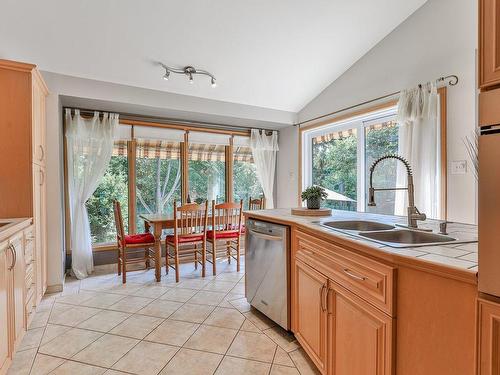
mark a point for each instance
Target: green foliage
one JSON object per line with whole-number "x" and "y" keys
{"x": 245, "y": 182}
{"x": 114, "y": 185}
{"x": 207, "y": 180}
{"x": 314, "y": 192}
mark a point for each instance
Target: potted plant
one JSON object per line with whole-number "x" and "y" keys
{"x": 314, "y": 195}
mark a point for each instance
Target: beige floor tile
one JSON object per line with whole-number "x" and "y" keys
{"x": 211, "y": 339}
{"x": 75, "y": 368}
{"x": 69, "y": 343}
{"x": 179, "y": 294}
{"x": 126, "y": 289}
{"x": 239, "y": 366}
{"x": 251, "y": 345}
{"x": 281, "y": 337}
{"x": 31, "y": 339}
{"x": 173, "y": 332}
{"x": 249, "y": 327}
{"x": 241, "y": 304}
{"x": 151, "y": 291}
{"x": 69, "y": 315}
{"x": 231, "y": 277}
{"x": 192, "y": 362}
{"x": 146, "y": 358}
{"x": 106, "y": 350}
{"x": 283, "y": 370}
{"x": 220, "y": 286}
{"x": 104, "y": 321}
{"x": 22, "y": 362}
{"x": 40, "y": 319}
{"x": 192, "y": 313}
{"x": 52, "y": 331}
{"x": 115, "y": 372}
{"x": 76, "y": 298}
{"x": 44, "y": 364}
{"x": 193, "y": 283}
{"x": 260, "y": 320}
{"x": 131, "y": 304}
{"x": 204, "y": 297}
{"x": 303, "y": 363}
{"x": 239, "y": 288}
{"x": 226, "y": 318}
{"x": 137, "y": 326}
{"x": 103, "y": 300}
{"x": 160, "y": 308}
{"x": 282, "y": 358}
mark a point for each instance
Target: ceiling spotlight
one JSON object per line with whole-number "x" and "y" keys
{"x": 189, "y": 71}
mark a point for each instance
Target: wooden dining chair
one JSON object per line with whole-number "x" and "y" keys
{"x": 256, "y": 204}
{"x": 190, "y": 231}
{"x": 226, "y": 226}
{"x": 133, "y": 248}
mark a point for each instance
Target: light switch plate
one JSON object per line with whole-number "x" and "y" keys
{"x": 459, "y": 167}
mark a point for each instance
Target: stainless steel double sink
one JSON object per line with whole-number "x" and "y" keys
{"x": 389, "y": 234}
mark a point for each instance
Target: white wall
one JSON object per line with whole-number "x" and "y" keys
{"x": 66, "y": 90}
{"x": 437, "y": 40}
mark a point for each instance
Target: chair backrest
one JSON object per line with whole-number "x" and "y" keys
{"x": 120, "y": 230}
{"x": 190, "y": 219}
{"x": 226, "y": 217}
{"x": 256, "y": 204}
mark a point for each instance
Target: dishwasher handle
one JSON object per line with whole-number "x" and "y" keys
{"x": 265, "y": 236}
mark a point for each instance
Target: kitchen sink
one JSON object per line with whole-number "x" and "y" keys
{"x": 406, "y": 237}
{"x": 357, "y": 225}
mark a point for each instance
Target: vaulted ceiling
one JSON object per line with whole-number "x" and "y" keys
{"x": 276, "y": 54}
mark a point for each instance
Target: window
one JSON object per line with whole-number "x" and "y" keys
{"x": 338, "y": 157}
{"x": 158, "y": 178}
{"x": 245, "y": 182}
{"x": 114, "y": 185}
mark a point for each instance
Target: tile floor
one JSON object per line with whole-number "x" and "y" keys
{"x": 198, "y": 326}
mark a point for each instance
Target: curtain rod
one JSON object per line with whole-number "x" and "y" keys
{"x": 452, "y": 81}
{"x": 164, "y": 120}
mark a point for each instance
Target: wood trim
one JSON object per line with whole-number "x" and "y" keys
{"x": 229, "y": 163}
{"x": 185, "y": 168}
{"x": 67, "y": 219}
{"x": 16, "y": 65}
{"x": 131, "y": 153}
{"x": 444, "y": 151}
{"x": 183, "y": 127}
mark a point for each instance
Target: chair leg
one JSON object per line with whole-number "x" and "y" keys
{"x": 176, "y": 259}
{"x": 146, "y": 257}
{"x": 214, "y": 256}
{"x": 118, "y": 262}
{"x": 203, "y": 258}
{"x": 238, "y": 249}
{"x": 167, "y": 262}
{"x": 124, "y": 266}
{"x": 228, "y": 251}
{"x": 195, "y": 256}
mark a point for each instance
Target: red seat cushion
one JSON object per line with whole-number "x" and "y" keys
{"x": 243, "y": 229}
{"x": 232, "y": 234}
{"x": 184, "y": 239}
{"x": 139, "y": 238}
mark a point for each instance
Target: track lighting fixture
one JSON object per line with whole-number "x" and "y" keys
{"x": 189, "y": 71}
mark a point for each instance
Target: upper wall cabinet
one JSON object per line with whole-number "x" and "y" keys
{"x": 489, "y": 43}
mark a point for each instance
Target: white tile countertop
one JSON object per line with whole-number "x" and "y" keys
{"x": 461, "y": 256}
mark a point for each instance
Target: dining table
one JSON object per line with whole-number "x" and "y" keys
{"x": 155, "y": 223}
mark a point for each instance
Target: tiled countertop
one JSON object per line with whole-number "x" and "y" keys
{"x": 455, "y": 256}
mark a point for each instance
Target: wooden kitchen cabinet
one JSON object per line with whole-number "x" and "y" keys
{"x": 310, "y": 311}
{"x": 4, "y": 300}
{"x": 360, "y": 336}
{"x": 489, "y": 43}
{"x": 40, "y": 230}
{"x": 488, "y": 337}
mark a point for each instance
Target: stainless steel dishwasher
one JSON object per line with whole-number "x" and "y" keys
{"x": 267, "y": 274}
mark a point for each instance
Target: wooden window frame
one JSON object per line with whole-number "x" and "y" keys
{"x": 131, "y": 156}
{"x": 378, "y": 107}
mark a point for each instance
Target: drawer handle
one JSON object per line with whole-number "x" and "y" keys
{"x": 14, "y": 257}
{"x": 348, "y": 272}
{"x": 42, "y": 155}
{"x": 321, "y": 294}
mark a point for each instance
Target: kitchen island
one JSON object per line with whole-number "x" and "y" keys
{"x": 360, "y": 307}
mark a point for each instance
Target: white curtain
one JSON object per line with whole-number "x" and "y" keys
{"x": 264, "y": 150}
{"x": 419, "y": 134}
{"x": 89, "y": 148}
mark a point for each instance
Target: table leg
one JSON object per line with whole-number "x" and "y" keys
{"x": 157, "y": 234}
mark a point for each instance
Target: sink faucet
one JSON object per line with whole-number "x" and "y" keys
{"x": 413, "y": 213}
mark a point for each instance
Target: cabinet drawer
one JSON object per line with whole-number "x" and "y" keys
{"x": 370, "y": 280}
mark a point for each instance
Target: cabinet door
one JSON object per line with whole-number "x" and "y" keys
{"x": 488, "y": 338}
{"x": 5, "y": 261}
{"x": 39, "y": 223}
{"x": 38, "y": 123}
{"x": 18, "y": 283}
{"x": 310, "y": 291}
{"x": 489, "y": 43}
{"x": 361, "y": 336}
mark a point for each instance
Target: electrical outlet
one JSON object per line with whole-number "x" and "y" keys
{"x": 459, "y": 167}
